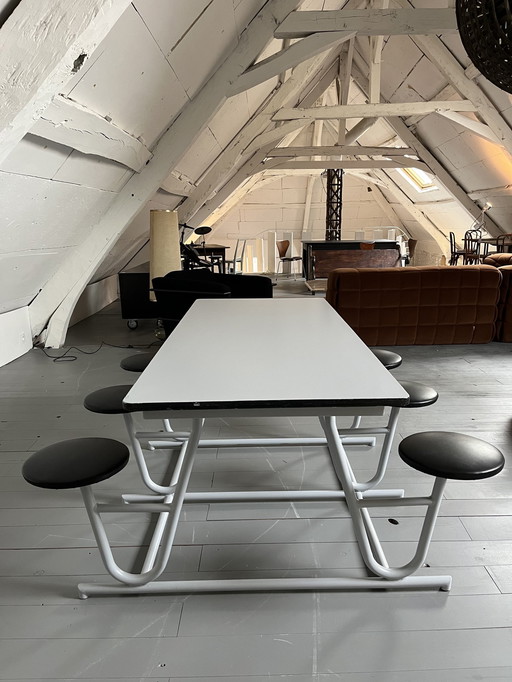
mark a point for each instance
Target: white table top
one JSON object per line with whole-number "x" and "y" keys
{"x": 263, "y": 353}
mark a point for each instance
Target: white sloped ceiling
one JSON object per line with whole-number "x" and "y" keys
{"x": 98, "y": 136}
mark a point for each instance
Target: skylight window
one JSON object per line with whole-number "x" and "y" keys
{"x": 421, "y": 181}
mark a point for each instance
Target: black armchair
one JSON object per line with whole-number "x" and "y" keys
{"x": 175, "y": 296}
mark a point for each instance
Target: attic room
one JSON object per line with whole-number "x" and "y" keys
{"x": 234, "y": 116}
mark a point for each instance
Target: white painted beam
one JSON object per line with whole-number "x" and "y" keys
{"x": 484, "y": 194}
{"x": 287, "y": 93}
{"x": 370, "y": 22}
{"x": 177, "y": 183}
{"x": 446, "y": 93}
{"x": 75, "y": 126}
{"x": 372, "y": 110}
{"x": 346, "y": 164}
{"x": 340, "y": 150}
{"x": 448, "y": 65}
{"x": 287, "y": 59}
{"x": 274, "y": 135}
{"x": 480, "y": 129}
{"x": 43, "y": 45}
{"x": 436, "y": 168}
{"x": 59, "y": 296}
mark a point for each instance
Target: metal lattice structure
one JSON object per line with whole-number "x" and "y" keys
{"x": 334, "y": 204}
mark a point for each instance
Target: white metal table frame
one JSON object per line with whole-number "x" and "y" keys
{"x": 352, "y": 380}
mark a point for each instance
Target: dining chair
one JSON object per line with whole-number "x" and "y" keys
{"x": 282, "y": 247}
{"x": 238, "y": 258}
{"x": 472, "y": 247}
{"x": 503, "y": 243}
{"x": 455, "y": 253}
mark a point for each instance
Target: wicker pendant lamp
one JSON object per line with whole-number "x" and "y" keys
{"x": 485, "y": 28}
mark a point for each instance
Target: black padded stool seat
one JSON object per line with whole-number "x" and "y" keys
{"x": 107, "y": 400}
{"x": 389, "y": 359}
{"x": 451, "y": 455}
{"x": 138, "y": 362}
{"x": 419, "y": 394}
{"x": 75, "y": 463}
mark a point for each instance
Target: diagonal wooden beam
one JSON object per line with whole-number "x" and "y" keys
{"x": 287, "y": 59}
{"x": 436, "y": 168}
{"x": 43, "y": 45}
{"x": 480, "y": 129}
{"x": 370, "y": 22}
{"x": 241, "y": 148}
{"x": 372, "y": 110}
{"x": 75, "y": 126}
{"x": 59, "y": 296}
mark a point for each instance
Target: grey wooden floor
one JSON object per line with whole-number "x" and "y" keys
{"x": 47, "y": 547}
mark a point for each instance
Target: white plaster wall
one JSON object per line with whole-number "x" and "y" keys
{"x": 279, "y": 207}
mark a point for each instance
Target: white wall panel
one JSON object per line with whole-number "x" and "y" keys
{"x": 399, "y": 56}
{"x": 91, "y": 171}
{"x": 37, "y": 157}
{"x": 131, "y": 82}
{"x": 169, "y": 21}
{"x": 208, "y": 41}
{"x": 199, "y": 155}
{"x": 424, "y": 82}
{"x": 22, "y": 275}
{"x": 16, "y": 335}
{"x": 42, "y": 214}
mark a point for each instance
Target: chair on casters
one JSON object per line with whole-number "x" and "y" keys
{"x": 232, "y": 265}
{"x": 282, "y": 248}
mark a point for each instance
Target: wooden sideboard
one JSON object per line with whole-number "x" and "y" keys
{"x": 320, "y": 257}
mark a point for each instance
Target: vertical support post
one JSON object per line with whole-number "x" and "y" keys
{"x": 334, "y": 204}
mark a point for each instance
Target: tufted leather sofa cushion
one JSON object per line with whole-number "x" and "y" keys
{"x": 498, "y": 259}
{"x": 417, "y": 305}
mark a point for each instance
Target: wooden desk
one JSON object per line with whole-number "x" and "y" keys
{"x": 345, "y": 376}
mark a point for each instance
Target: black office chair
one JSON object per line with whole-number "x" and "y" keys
{"x": 176, "y": 296}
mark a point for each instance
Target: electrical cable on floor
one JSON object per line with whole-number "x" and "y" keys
{"x": 64, "y": 357}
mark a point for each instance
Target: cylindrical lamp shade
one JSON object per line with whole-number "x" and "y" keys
{"x": 164, "y": 244}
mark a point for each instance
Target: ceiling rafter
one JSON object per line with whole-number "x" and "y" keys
{"x": 43, "y": 44}
{"x": 371, "y": 110}
{"x": 56, "y": 301}
{"x": 71, "y": 124}
{"x": 370, "y": 22}
{"x": 437, "y": 52}
{"x": 287, "y": 59}
{"x": 436, "y": 168}
{"x": 242, "y": 147}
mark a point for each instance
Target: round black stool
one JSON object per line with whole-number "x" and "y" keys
{"x": 389, "y": 359}
{"x": 107, "y": 400}
{"x": 138, "y": 362}
{"x": 445, "y": 454}
{"x": 75, "y": 463}
{"x": 419, "y": 394}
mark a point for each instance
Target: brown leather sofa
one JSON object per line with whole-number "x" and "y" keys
{"x": 498, "y": 259}
{"x": 419, "y": 305}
